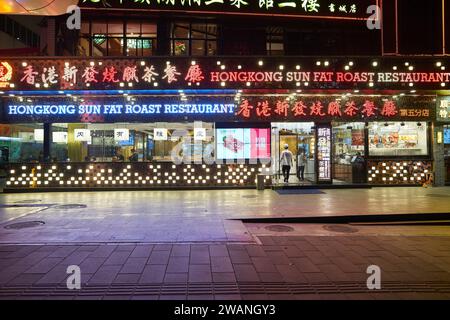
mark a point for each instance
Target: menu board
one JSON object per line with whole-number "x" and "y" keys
{"x": 324, "y": 154}
{"x": 240, "y": 143}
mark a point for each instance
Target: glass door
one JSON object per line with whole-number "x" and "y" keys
{"x": 300, "y": 139}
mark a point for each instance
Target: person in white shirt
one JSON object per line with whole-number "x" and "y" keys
{"x": 301, "y": 163}
{"x": 286, "y": 161}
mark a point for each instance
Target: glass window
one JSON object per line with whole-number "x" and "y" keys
{"x": 180, "y": 30}
{"x": 127, "y": 142}
{"x": 100, "y": 27}
{"x": 108, "y": 38}
{"x": 348, "y": 141}
{"x": 398, "y": 139}
{"x": 211, "y": 48}
{"x": 148, "y": 30}
{"x": 348, "y": 152}
{"x": 85, "y": 28}
{"x": 133, "y": 29}
{"x": 198, "y": 48}
{"x": 59, "y": 147}
{"x": 115, "y": 46}
{"x": 194, "y": 39}
{"x": 274, "y": 41}
{"x": 21, "y": 142}
{"x": 180, "y": 47}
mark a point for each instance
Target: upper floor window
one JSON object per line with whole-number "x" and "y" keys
{"x": 274, "y": 41}
{"x": 193, "y": 39}
{"x": 117, "y": 38}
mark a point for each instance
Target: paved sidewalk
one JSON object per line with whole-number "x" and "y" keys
{"x": 190, "y": 216}
{"x": 296, "y": 267}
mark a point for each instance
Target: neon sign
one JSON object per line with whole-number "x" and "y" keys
{"x": 6, "y": 72}
{"x": 210, "y": 73}
{"x": 316, "y": 109}
{"x": 348, "y": 9}
{"x": 71, "y": 109}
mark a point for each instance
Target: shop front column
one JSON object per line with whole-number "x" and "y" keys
{"x": 438, "y": 155}
{"x": 47, "y": 141}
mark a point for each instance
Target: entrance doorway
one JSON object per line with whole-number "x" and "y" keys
{"x": 300, "y": 138}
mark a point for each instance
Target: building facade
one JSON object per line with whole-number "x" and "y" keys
{"x": 177, "y": 94}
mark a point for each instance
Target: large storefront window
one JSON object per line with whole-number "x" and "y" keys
{"x": 21, "y": 142}
{"x": 117, "y": 38}
{"x": 398, "y": 139}
{"x": 79, "y": 142}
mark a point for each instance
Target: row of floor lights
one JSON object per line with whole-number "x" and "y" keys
{"x": 124, "y": 176}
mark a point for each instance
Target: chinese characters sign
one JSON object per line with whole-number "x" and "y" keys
{"x": 443, "y": 110}
{"x": 221, "y": 73}
{"x": 249, "y": 108}
{"x": 309, "y": 108}
{"x": 349, "y": 9}
{"x": 324, "y": 154}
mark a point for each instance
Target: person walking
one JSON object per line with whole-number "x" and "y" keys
{"x": 286, "y": 162}
{"x": 301, "y": 163}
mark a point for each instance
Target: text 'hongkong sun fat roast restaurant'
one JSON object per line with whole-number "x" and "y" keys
{"x": 77, "y": 123}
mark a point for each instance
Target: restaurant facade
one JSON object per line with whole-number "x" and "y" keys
{"x": 174, "y": 107}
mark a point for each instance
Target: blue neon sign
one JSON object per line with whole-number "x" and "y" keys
{"x": 120, "y": 109}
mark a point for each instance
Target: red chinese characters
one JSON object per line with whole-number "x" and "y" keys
{"x": 334, "y": 109}
{"x": 317, "y": 109}
{"x": 282, "y": 108}
{"x": 89, "y": 75}
{"x": 389, "y": 109}
{"x": 351, "y": 109}
{"x": 369, "y": 109}
{"x": 245, "y": 109}
{"x": 29, "y": 75}
{"x": 263, "y": 109}
{"x": 299, "y": 109}
{"x": 130, "y": 74}
{"x": 109, "y": 75}
{"x": 194, "y": 74}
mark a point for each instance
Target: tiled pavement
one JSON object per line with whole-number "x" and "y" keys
{"x": 184, "y": 245}
{"x": 191, "y": 216}
{"x": 295, "y": 267}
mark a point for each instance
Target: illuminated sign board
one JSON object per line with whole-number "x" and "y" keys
{"x": 328, "y": 9}
{"x": 324, "y": 154}
{"x": 115, "y": 111}
{"x": 443, "y": 110}
{"x": 120, "y": 109}
{"x": 222, "y": 73}
{"x": 327, "y": 108}
{"x": 247, "y": 108}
